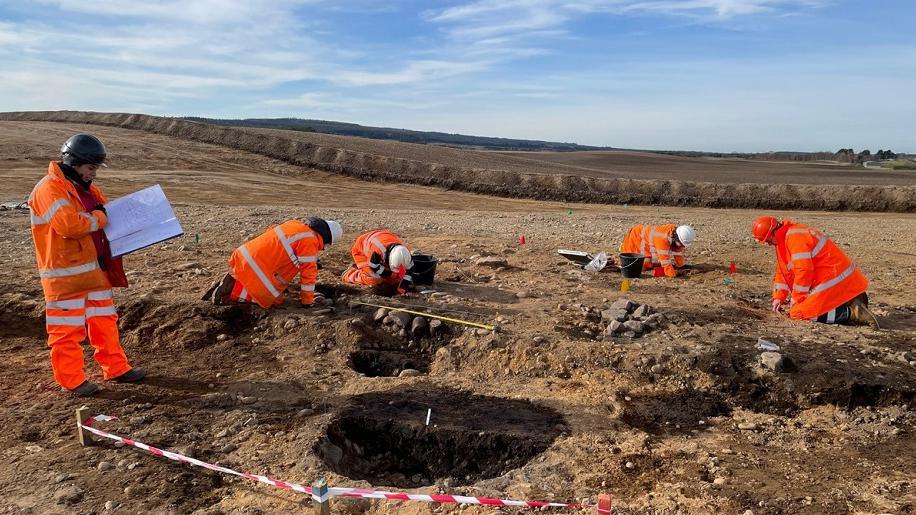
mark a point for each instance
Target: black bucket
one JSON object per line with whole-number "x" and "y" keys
{"x": 631, "y": 265}
{"x": 424, "y": 269}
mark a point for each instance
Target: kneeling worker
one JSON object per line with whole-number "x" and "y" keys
{"x": 260, "y": 270}
{"x": 380, "y": 258}
{"x": 76, "y": 267}
{"x": 663, "y": 245}
{"x": 824, "y": 284}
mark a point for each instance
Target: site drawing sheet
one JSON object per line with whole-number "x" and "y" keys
{"x": 140, "y": 219}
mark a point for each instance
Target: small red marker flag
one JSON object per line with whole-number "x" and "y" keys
{"x": 733, "y": 268}
{"x": 521, "y": 239}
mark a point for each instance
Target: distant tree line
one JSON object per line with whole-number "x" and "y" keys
{"x": 844, "y": 155}
{"x": 403, "y": 135}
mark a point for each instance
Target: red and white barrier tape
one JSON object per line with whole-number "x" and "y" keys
{"x": 331, "y": 492}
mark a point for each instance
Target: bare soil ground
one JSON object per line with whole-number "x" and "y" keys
{"x": 643, "y": 165}
{"x": 680, "y": 420}
{"x": 615, "y": 178}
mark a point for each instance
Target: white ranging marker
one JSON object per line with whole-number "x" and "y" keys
{"x": 429, "y": 413}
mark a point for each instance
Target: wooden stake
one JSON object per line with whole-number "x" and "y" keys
{"x": 82, "y": 415}
{"x": 319, "y": 490}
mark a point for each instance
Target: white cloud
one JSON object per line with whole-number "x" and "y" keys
{"x": 491, "y": 18}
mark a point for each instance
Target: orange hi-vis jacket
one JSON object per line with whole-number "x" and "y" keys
{"x": 61, "y": 230}
{"x": 814, "y": 270}
{"x": 266, "y": 264}
{"x": 368, "y": 252}
{"x": 654, "y": 242}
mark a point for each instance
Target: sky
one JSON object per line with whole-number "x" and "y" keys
{"x": 713, "y": 75}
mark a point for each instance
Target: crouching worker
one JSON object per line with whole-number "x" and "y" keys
{"x": 817, "y": 279}
{"x": 76, "y": 268}
{"x": 260, "y": 269}
{"x": 380, "y": 259}
{"x": 662, "y": 245}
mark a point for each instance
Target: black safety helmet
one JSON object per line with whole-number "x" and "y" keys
{"x": 320, "y": 226}
{"x": 83, "y": 149}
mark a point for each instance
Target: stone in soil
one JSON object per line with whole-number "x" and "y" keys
{"x": 624, "y": 305}
{"x": 771, "y": 361}
{"x": 418, "y": 327}
{"x": 70, "y": 494}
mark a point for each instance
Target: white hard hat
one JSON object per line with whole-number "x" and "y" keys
{"x": 336, "y": 231}
{"x": 398, "y": 257}
{"x": 686, "y": 234}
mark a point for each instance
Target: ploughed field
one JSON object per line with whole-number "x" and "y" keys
{"x": 681, "y": 416}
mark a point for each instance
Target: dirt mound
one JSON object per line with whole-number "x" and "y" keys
{"x": 579, "y": 188}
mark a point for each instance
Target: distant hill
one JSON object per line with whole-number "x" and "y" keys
{"x": 404, "y": 135}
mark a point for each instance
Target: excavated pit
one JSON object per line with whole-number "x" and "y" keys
{"x": 378, "y": 363}
{"x": 382, "y": 437}
{"x": 674, "y": 413}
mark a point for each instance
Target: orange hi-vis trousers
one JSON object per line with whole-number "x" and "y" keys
{"x": 67, "y": 321}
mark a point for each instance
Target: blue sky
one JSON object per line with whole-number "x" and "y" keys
{"x": 718, "y": 75}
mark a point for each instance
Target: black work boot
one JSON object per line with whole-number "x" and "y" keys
{"x": 131, "y": 376}
{"x": 222, "y": 289}
{"x": 85, "y": 389}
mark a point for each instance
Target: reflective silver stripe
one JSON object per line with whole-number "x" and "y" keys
{"x": 100, "y": 311}
{"x": 781, "y": 286}
{"x": 370, "y": 241}
{"x": 665, "y": 261}
{"x": 66, "y": 304}
{"x": 301, "y": 236}
{"x": 258, "y": 272}
{"x": 66, "y": 272}
{"x": 801, "y": 289}
{"x": 71, "y": 321}
{"x": 801, "y": 255}
{"x": 677, "y": 253}
{"x": 93, "y": 222}
{"x": 46, "y": 218}
{"x": 820, "y": 246}
{"x": 789, "y": 265}
{"x": 648, "y": 241}
{"x": 100, "y": 295}
{"x": 243, "y": 295}
{"x": 831, "y": 316}
{"x": 835, "y": 281}
{"x": 307, "y": 287}
{"x": 286, "y": 246}
{"x": 307, "y": 259}
{"x": 798, "y": 231}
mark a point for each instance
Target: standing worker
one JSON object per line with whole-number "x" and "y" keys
{"x": 76, "y": 268}
{"x": 662, "y": 245}
{"x": 380, "y": 258}
{"x": 824, "y": 284}
{"x": 260, "y": 269}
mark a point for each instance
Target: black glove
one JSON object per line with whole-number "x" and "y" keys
{"x": 99, "y": 207}
{"x": 407, "y": 284}
{"x": 318, "y": 263}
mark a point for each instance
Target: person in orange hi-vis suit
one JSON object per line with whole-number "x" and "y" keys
{"x": 662, "y": 245}
{"x": 76, "y": 268}
{"x": 261, "y": 269}
{"x": 814, "y": 275}
{"x": 380, "y": 258}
